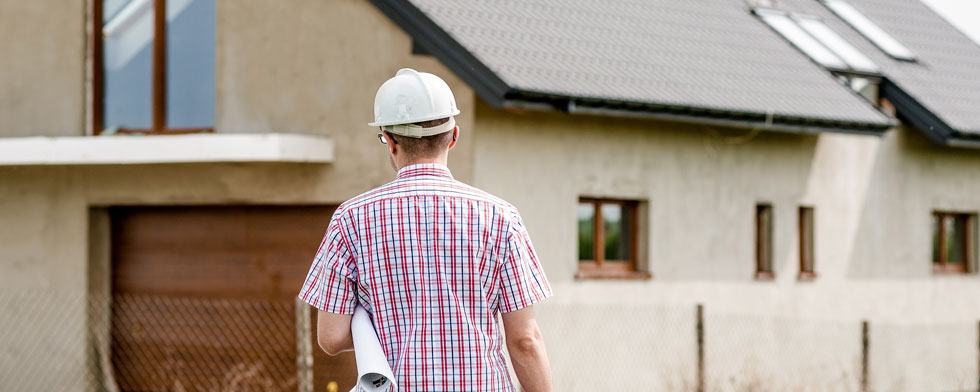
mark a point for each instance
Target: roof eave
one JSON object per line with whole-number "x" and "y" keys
{"x": 914, "y": 113}
{"x": 964, "y": 142}
{"x": 496, "y": 92}
{"x": 446, "y": 49}
{"x": 692, "y": 115}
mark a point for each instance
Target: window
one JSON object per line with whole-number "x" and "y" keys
{"x": 607, "y": 239}
{"x": 870, "y": 30}
{"x": 865, "y": 86}
{"x": 823, "y": 45}
{"x": 953, "y": 242}
{"x": 815, "y": 39}
{"x": 856, "y": 60}
{"x": 763, "y": 241}
{"x": 153, "y": 68}
{"x": 807, "y": 268}
{"x": 781, "y": 22}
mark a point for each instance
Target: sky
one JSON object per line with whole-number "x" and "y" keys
{"x": 964, "y": 14}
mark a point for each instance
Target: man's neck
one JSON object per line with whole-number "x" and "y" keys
{"x": 416, "y": 161}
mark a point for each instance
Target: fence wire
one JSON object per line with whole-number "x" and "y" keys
{"x": 54, "y": 342}
{"x": 192, "y": 344}
{"x": 147, "y": 343}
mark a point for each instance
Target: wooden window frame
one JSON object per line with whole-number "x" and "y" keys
{"x": 806, "y": 218}
{"x": 158, "y": 73}
{"x": 598, "y": 268}
{"x": 764, "y": 263}
{"x": 942, "y": 266}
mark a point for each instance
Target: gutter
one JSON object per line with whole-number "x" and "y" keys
{"x": 690, "y": 115}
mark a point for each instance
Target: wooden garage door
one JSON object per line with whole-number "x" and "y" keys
{"x": 204, "y": 299}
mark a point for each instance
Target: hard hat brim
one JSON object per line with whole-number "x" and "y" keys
{"x": 414, "y": 120}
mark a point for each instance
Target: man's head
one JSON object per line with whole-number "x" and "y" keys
{"x": 406, "y": 150}
{"x": 415, "y": 112}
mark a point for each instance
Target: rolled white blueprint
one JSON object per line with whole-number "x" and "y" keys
{"x": 373, "y": 372}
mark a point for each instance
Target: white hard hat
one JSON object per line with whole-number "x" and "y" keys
{"x": 412, "y": 97}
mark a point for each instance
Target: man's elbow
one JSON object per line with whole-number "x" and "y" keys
{"x": 531, "y": 344}
{"x": 331, "y": 345}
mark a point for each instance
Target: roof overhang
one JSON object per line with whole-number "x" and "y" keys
{"x": 165, "y": 149}
{"x": 914, "y": 113}
{"x": 692, "y": 115}
{"x": 492, "y": 89}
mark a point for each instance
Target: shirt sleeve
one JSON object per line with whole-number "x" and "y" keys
{"x": 331, "y": 283}
{"x": 522, "y": 280}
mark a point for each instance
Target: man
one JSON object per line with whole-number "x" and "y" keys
{"x": 432, "y": 260}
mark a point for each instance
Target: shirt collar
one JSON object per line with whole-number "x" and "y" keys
{"x": 424, "y": 169}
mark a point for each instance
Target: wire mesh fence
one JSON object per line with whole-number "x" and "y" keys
{"x": 164, "y": 343}
{"x": 657, "y": 348}
{"x": 194, "y": 344}
{"x": 153, "y": 343}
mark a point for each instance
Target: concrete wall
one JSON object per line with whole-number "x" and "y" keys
{"x": 303, "y": 67}
{"x": 873, "y": 198}
{"x": 313, "y": 66}
{"x": 42, "y": 67}
{"x": 50, "y": 258}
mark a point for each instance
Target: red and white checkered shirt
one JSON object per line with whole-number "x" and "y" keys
{"x": 433, "y": 260}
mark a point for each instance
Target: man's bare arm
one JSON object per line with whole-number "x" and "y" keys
{"x": 333, "y": 332}
{"x": 527, "y": 353}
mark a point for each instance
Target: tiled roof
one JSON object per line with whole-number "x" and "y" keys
{"x": 705, "y": 56}
{"x": 945, "y": 79}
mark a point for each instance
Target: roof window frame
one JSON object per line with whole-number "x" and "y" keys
{"x": 822, "y": 55}
{"x": 847, "y": 52}
{"x": 838, "y": 63}
{"x": 870, "y": 30}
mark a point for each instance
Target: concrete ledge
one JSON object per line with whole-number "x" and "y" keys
{"x": 135, "y": 149}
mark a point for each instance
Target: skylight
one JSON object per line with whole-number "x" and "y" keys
{"x": 853, "y": 57}
{"x": 869, "y": 29}
{"x": 781, "y": 22}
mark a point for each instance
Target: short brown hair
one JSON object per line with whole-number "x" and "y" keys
{"x": 426, "y": 146}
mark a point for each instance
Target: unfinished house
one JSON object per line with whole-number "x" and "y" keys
{"x": 725, "y": 195}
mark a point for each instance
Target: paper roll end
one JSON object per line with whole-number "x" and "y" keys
{"x": 374, "y": 382}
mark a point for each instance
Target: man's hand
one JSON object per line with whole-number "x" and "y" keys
{"x": 333, "y": 332}
{"x": 527, "y": 353}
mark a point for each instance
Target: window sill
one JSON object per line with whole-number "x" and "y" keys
{"x": 950, "y": 271}
{"x": 612, "y": 275}
{"x": 159, "y": 149}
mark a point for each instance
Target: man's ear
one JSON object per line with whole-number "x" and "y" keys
{"x": 452, "y": 143}
{"x": 392, "y": 144}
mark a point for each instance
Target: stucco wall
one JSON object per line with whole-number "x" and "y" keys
{"x": 42, "y": 67}
{"x": 313, "y": 66}
{"x": 873, "y": 198}
{"x": 48, "y": 257}
{"x": 301, "y": 67}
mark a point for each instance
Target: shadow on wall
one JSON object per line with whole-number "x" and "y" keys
{"x": 910, "y": 178}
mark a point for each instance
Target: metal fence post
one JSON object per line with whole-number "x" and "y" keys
{"x": 700, "y": 337}
{"x": 865, "y": 343}
{"x": 304, "y": 347}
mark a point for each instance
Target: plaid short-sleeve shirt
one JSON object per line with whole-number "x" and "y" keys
{"x": 433, "y": 261}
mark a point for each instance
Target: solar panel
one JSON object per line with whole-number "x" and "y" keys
{"x": 869, "y": 29}
{"x": 781, "y": 22}
{"x": 853, "y": 57}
